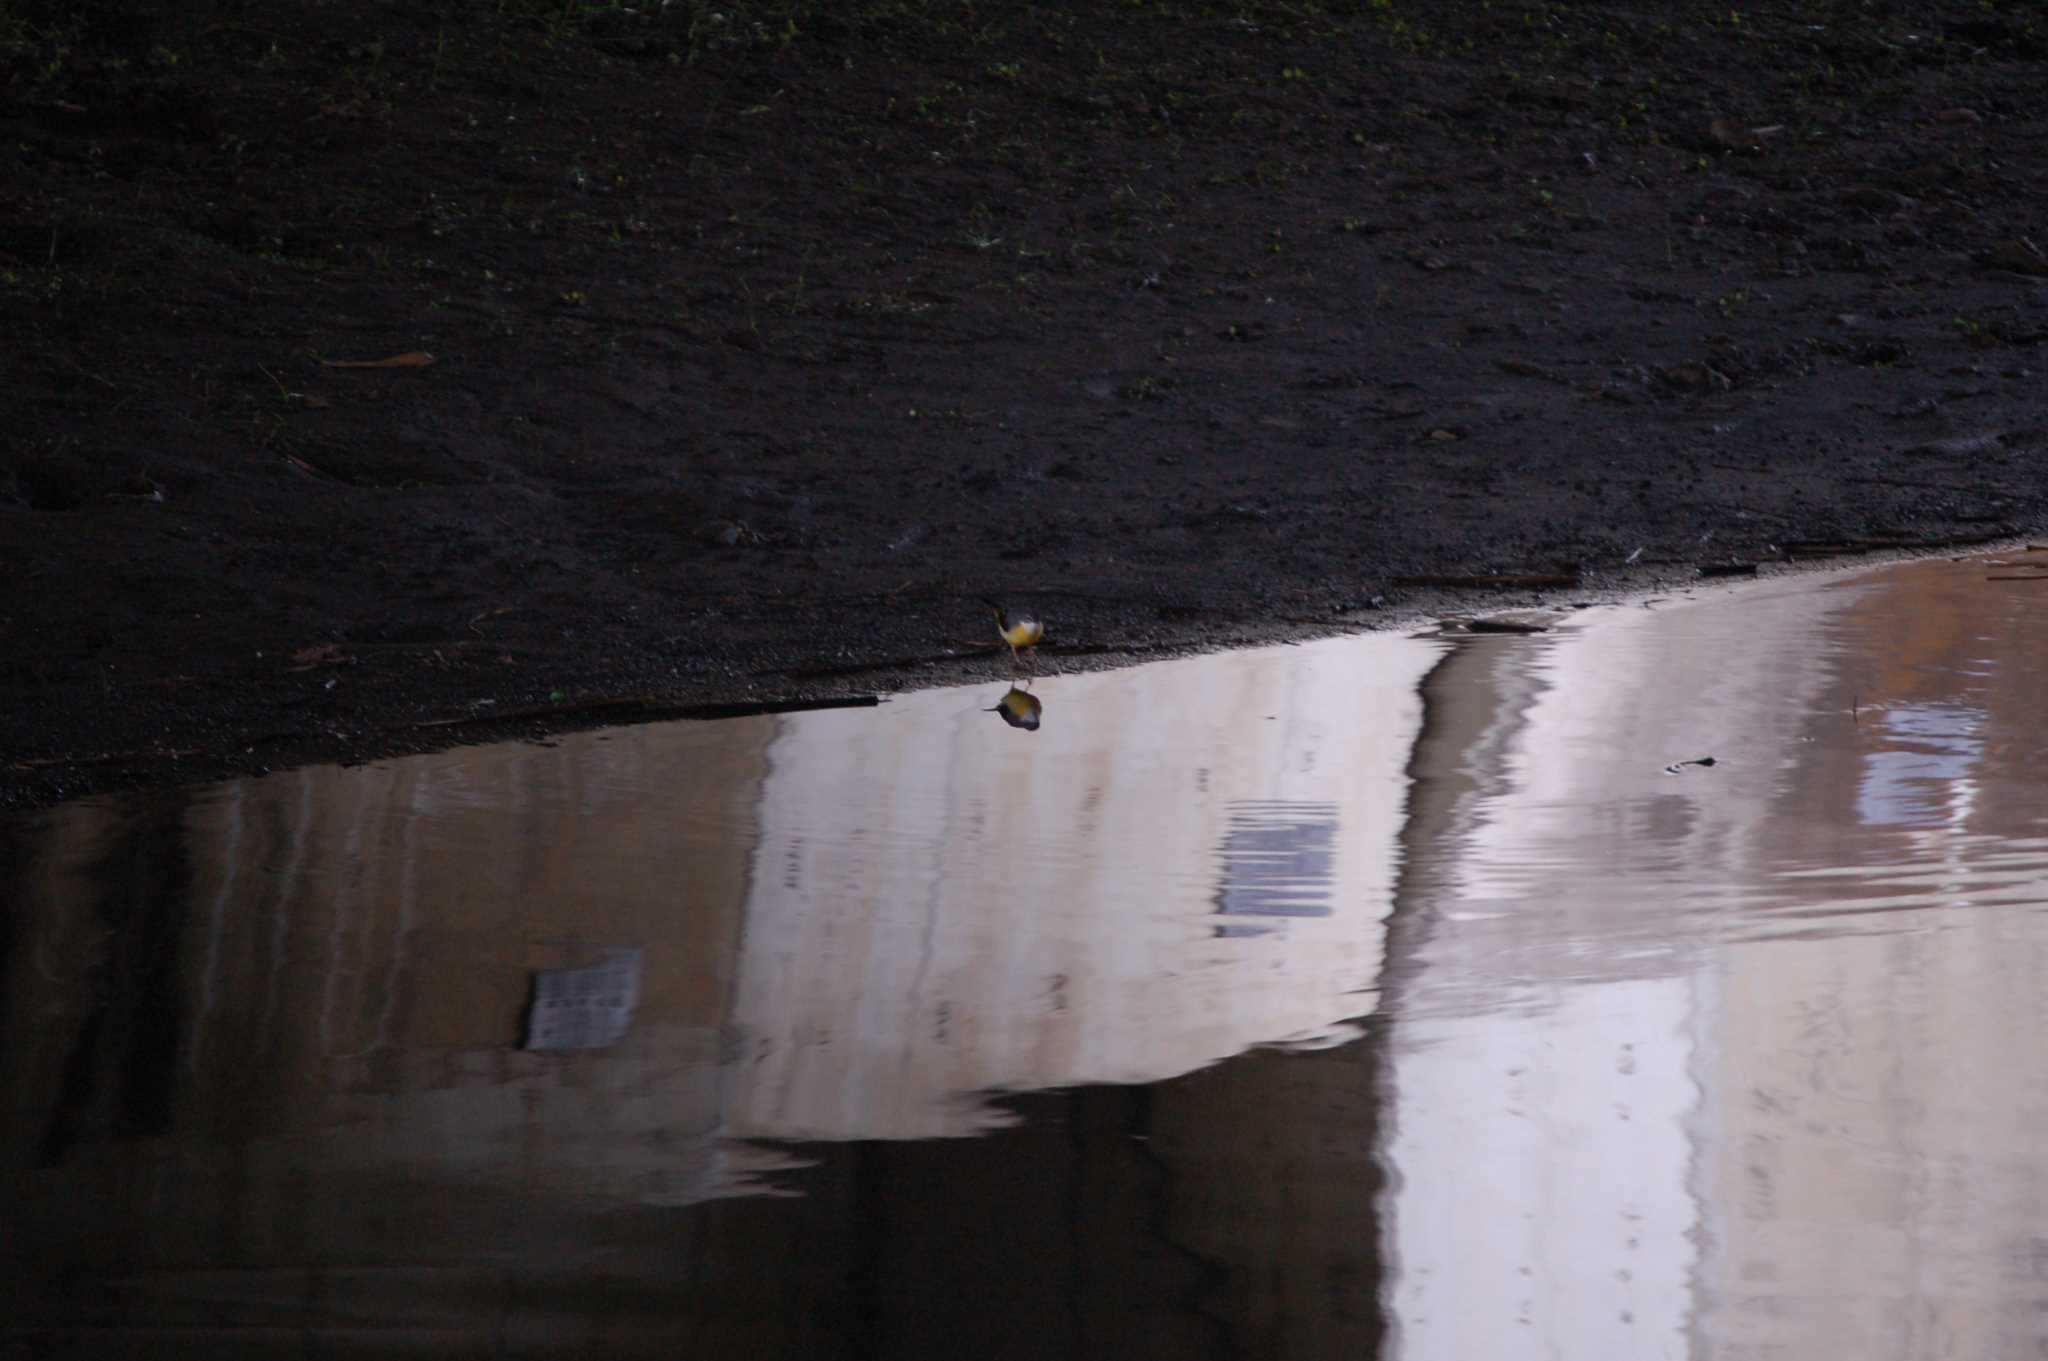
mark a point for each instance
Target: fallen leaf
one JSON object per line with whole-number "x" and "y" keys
{"x": 1696, "y": 377}
{"x": 1960, "y": 446}
{"x": 1874, "y": 199}
{"x": 1723, "y": 133}
{"x": 1442, "y": 436}
{"x": 318, "y": 655}
{"x": 732, "y": 533}
{"x": 314, "y": 403}
{"x": 1959, "y": 116}
{"x": 2019, "y": 255}
{"x": 411, "y": 359}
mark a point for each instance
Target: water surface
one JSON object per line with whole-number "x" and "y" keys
{"x": 1382, "y": 996}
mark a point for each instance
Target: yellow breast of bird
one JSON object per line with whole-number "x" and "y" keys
{"x": 1023, "y": 633}
{"x": 1020, "y": 710}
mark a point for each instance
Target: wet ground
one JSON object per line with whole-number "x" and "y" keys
{"x": 1664, "y": 984}
{"x": 377, "y": 376}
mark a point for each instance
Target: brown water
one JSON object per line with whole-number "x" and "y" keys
{"x": 1381, "y": 996}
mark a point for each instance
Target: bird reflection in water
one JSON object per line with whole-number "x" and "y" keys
{"x": 1019, "y": 709}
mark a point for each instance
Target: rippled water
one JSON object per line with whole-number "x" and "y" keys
{"x": 1382, "y": 996}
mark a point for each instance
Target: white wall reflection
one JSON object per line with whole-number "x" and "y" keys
{"x": 942, "y": 907}
{"x": 849, "y": 924}
{"x": 1543, "y": 1206}
{"x": 1741, "y": 1060}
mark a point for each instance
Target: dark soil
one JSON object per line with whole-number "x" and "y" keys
{"x": 769, "y": 337}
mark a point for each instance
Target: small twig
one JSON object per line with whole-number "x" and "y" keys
{"x": 1490, "y": 582}
{"x": 1932, "y": 486}
{"x": 855, "y": 668}
{"x": 489, "y": 614}
{"x": 283, "y": 392}
{"x": 425, "y": 646}
{"x": 646, "y": 707}
{"x": 107, "y": 757}
{"x": 97, "y": 378}
{"x": 1829, "y": 548}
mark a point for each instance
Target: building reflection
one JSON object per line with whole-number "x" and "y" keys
{"x": 265, "y": 1039}
{"x": 1872, "y": 1114}
{"x": 1730, "y": 1060}
{"x": 936, "y": 915}
{"x": 1451, "y": 1023}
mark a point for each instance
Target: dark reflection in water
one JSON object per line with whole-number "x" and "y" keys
{"x": 118, "y": 1078}
{"x": 1140, "y": 1221}
{"x": 1446, "y": 1024}
{"x": 1110, "y": 1221}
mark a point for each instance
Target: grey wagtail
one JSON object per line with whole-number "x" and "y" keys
{"x": 1020, "y": 632}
